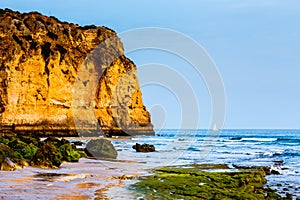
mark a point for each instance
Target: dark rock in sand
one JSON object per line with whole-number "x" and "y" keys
{"x": 78, "y": 143}
{"x": 289, "y": 196}
{"x": 143, "y": 147}
{"x": 101, "y": 148}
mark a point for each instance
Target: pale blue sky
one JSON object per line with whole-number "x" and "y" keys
{"x": 255, "y": 45}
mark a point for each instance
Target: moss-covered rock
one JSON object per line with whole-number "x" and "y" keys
{"x": 101, "y": 148}
{"x": 70, "y": 154}
{"x": 7, "y": 165}
{"x": 47, "y": 156}
{"x": 143, "y": 148}
{"x": 5, "y": 151}
{"x": 194, "y": 183}
{"x": 24, "y": 150}
{"x": 29, "y": 139}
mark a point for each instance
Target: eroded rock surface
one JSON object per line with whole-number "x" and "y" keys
{"x": 101, "y": 148}
{"x": 18, "y": 151}
{"x": 56, "y": 76}
{"x": 144, "y": 147}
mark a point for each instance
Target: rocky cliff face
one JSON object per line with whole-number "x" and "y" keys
{"x": 56, "y": 76}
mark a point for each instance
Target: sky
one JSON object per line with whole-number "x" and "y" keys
{"x": 254, "y": 44}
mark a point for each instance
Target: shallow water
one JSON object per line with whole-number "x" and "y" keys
{"x": 89, "y": 179}
{"x": 279, "y": 149}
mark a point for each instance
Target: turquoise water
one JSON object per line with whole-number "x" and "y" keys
{"x": 279, "y": 149}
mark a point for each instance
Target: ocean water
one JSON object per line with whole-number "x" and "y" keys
{"x": 279, "y": 149}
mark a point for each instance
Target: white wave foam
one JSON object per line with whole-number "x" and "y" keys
{"x": 259, "y": 139}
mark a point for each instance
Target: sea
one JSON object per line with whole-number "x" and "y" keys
{"x": 278, "y": 149}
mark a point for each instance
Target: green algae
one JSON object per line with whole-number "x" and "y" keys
{"x": 195, "y": 183}
{"x": 101, "y": 149}
{"x": 70, "y": 154}
{"x": 27, "y": 150}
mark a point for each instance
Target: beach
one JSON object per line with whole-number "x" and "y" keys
{"x": 87, "y": 179}
{"x": 278, "y": 151}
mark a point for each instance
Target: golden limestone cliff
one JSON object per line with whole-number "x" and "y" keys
{"x": 61, "y": 78}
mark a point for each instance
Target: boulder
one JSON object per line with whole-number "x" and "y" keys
{"x": 101, "y": 148}
{"x": 143, "y": 147}
{"x": 19, "y": 151}
{"x": 5, "y": 162}
{"x": 275, "y": 172}
{"x": 47, "y": 156}
{"x": 52, "y": 152}
{"x": 8, "y": 165}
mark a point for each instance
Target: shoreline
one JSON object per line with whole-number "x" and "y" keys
{"x": 83, "y": 180}
{"x": 89, "y": 178}
{"x": 92, "y": 179}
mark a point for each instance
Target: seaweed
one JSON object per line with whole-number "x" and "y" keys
{"x": 194, "y": 183}
{"x": 26, "y": 150}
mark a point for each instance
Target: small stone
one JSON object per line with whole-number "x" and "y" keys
{"x": 8, "y": 165}
{"x": 275, "y": 172}
{"x": 289, "y": 196}
{"x": 143, "y": 147}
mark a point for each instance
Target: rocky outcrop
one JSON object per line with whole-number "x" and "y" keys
{"x": 196, "y": 182}
{"x": 143, "y": 148}
{"x": 18, "y": 151}
{"x": 101, "y": 149}
{"x": 62, "y": 78}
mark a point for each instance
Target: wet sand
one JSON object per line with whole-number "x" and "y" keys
{"x": 88, "y": 179}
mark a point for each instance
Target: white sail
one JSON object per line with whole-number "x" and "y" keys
{"x": 215, "y": 128}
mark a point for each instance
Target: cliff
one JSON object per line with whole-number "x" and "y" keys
{"x": 64, "y": 79}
